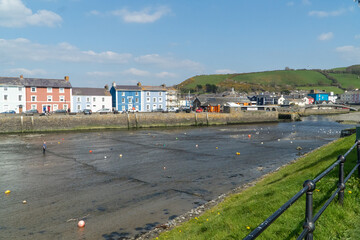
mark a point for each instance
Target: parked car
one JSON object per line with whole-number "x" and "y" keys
{"x": 104, "y": 110}
{"x": 184, "y": 109}
{"x": 157, "y": 110}
{"x": 60, "y": 111}
{"x": 199, "y": 110}
{"x": 173, "y": 109}
{"x": 9, "y": 112}
{"x": 87, "y": 111}
{"x": 31, "y": 111}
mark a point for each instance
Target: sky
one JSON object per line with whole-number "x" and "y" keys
{"x": 97, "y": 42}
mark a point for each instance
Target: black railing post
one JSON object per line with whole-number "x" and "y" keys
{"x": 309, "y": 223}
{"x": 358, "y": 147}
{"x": 341, "y": 183}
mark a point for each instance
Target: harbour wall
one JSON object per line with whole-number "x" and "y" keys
{"x": 22, "y": 123}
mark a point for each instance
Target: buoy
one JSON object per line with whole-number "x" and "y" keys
{"x": 217, "y": 148}
{"x": 176, "y": 138}
{"x": 7, "y": 192}
{"x": 237, "y": 153}
{"x": 90, "y": 151}
{"x": 164, "y": 168}
{"x": 58, "y": 142}
{"x": 24, "y": 202}
{"x": 105, "y": 157}
{"x": 63, "y": 139}
{"x": 290, "y": 141}
{"x": 262, "y": 142}
{"x": 249, "y": 136}
{"x": 279, "y": 140}
{"x": 299, "y": 148}
{"x": 196, "y": 145}
{"x": 120, "y": 155}
{"x": 81, "y": 224}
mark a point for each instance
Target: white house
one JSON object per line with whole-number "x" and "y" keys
{"x": 172, "y": 98}
{"x": 12, "y": 94}
{"x": 91, "y": 98}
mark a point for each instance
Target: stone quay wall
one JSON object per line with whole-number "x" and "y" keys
{"x": 21, "y": 123}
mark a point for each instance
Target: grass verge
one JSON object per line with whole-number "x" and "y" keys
{"x": 240, "y": 213}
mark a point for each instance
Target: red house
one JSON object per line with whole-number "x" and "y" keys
{"x": 47, "y": 94}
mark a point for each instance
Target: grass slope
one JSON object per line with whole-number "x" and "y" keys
{"x": 239, "y": 214}
{"x": 347, "y": 80}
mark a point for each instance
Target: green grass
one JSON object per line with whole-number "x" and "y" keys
{"x": 336, "y": 90}
{"x": 231, "y": 218}
{"x": 340, "y": 69}
{"x": 347, "y": 80}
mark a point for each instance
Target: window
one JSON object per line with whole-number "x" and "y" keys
{"x": 78, "y": 99}
{"x": 55, "y": 107}
{"x": 136, "y": 93}
{"x": 123, "y": 94}
{"x": 94, "y": 99}
{"x": 62, "y": 98}
{"x": 160, "y": 93}
{"x": 130, "y": 100}
{"x": 33, "y": 106}
{"x": 123, "y": 108}
{"x": 49, "y": 89}
{"x": 148, "y": 99}
{"x": 20, "y": 88}
{"x": 154, "y": 99}
{"x": 160, "y": 106}
{"x": 5, "y": 97}
{"x": 88, "y": 106}
{"x": 103, "y": 106}
{"x": 49, "y": 98}
{"x": 147, "y": 93}
{"x": 20, "y": 97}
{"x": 160, "y": 99}
{"x": 78, "y": 107}
{"x": 154, "y": 106}
{"x": 33, "y": 98}
{"x": 87, "y": 99}
{"x": 147, "y": 107}
{"x": 5, "y": 88}
{"x": 137, "y": 100}
{"x": 123, "y": 100}
{"x": 94, "y": 106}
{"x": 61, "y": 90}
{"x": 33, "y": 89}
{"x": 65, "y": 107}
{"x": 103, "y": 99}
{"x": 130, "y": 106}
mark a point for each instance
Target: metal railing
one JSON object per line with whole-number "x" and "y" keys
{"x": 308, "y": 188}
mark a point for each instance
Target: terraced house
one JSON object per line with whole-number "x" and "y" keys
{"x": 12, "y": 95}
{"x": 47, "y": 94}
{"x": 91, "y": 98}
{"x": 154, "y": 98}
{"x": 126, "y": 97}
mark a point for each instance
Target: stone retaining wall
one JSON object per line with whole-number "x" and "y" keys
{"x": 21, "y": 123}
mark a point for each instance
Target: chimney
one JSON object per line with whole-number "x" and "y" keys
{"x": 21, "y": 77}
{"x": 163, "y": 85}
{"x": 139, "y": 84}
{"x": 106, "y": 87}
{"x": 66, "y": 78}
{"x": 114, "y": 84}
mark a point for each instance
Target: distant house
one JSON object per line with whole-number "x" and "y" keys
{"x": 154, "y": 98}
{"x": 12, "y": 95}
{"x": 266, "y": 100}
{"x": 172, "y": 98}
{"x": 47, "y": 94}
{"x": 90, "y": 98}
{"x": 319, "y": 97}
{"x": 126, "y": 97}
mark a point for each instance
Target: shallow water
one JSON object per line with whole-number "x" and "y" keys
{"x": 160, "y": 174}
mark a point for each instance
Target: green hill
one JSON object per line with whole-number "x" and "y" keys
{"x": 336, "y": 80}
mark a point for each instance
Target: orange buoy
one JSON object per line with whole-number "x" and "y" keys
{"x": 90, "y": 151}
{"x": 81, "y": 224}
{"x": 249, "y": 136}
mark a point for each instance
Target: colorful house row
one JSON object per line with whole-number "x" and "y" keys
{"x": 141, "y": 98}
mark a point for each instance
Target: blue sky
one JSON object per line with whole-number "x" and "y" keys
{"x": 97, "y": 42}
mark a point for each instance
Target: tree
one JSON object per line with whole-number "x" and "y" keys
{"x": 199, "y": 87}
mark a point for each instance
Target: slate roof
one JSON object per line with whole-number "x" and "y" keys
{"x": 127, "y": 88}
{"x": 90, "y": 92}
{"x": 153, "y": 88}
{"x": 41, "y": 82}
{"x": 10, "y": 81}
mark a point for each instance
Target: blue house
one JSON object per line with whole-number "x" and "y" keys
{"x": 318, "y": 97}
{"x": 126, "y": 97}
{"x": 154, "y": 98}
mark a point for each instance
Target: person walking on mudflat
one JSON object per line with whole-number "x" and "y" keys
{"x": 44, "y": 147}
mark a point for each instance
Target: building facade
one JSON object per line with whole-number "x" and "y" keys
{"x": 154, "y": 98}
{"x": 91, "y": 98}
{"x": 125, "y": 97}
{"x": 47, "y": 94}
{"x": 12, "y": 95}
{"x": 172, "y": 100}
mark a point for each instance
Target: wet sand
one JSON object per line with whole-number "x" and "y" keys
{"x": 160, "y": 175}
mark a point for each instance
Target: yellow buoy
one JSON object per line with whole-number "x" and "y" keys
{"x": 7, "y": 192}
{"x": 120, "y": 155}
{"x": 237, "y": 153}
{"x": 24, "y": 202}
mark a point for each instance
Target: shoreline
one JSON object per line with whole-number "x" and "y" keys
{"x": 198, "y": 211}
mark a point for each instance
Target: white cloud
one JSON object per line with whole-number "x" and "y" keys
{"x": 290, "y": 4}
{"x": 224, "y": 71}
{"x": 23, "y": 49}
{"x": 306, "y": 2}
{"x": 25, "y": 72}
{"x": 350, "y": 53}
{"x": 357, "y": 36}
{"x": 322, "y": 14}
{"x": 165, "y": 75}
{"x": 325, "y": 36}
{"x": 168, "y": 62}
{"x": 101, "y": 74}
{"x": 146, "y": 15}
{"x": 13, "y": 13}
{"x": 94, "y": 12}
{"x": 136, "y": 72}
